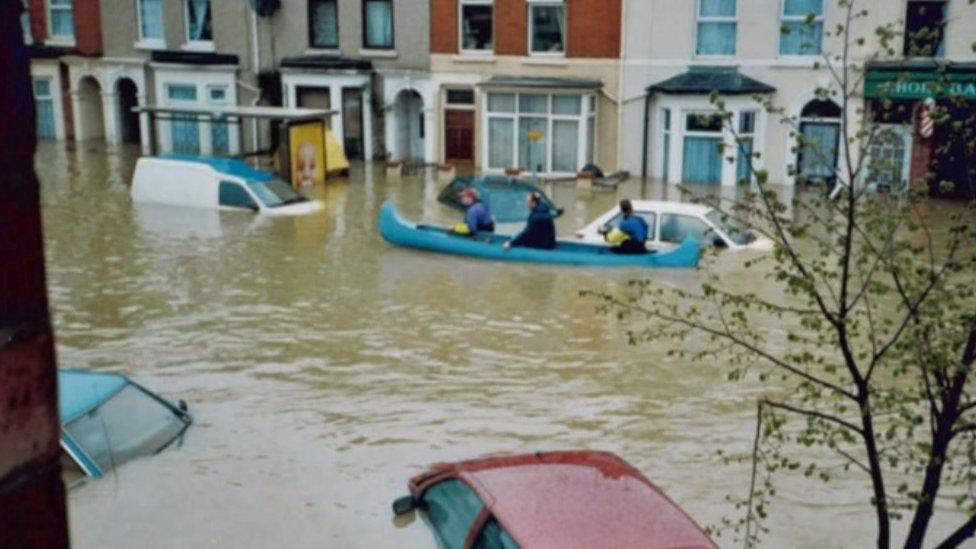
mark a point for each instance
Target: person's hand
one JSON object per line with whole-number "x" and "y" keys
{"x": 507, "y": 245}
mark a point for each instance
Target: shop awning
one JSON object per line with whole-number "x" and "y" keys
{"x": 705, "y": 80}
{"x": 920, "y": 79}
{"x": 326, "y": 62}
{"x": 583, "y": 84}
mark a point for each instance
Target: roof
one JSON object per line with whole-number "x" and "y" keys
{"x": 326, "y": 62}
{"x": 499, "y": 81}
{"x": 80, "y": 391}
{"x": 706, "y": 79}
{"x": 243, "y": 111}
{"x": 578, "y": 499}
{"x": 193, "y": 57}
{"x": 229, "y": 166}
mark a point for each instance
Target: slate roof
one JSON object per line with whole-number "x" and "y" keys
{"x": 500, "y": 81}
{"x": 706, "y": 79}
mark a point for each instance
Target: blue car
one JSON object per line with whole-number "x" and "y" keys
{"x": 107, "y": 420}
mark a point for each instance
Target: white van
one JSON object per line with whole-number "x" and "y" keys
{"x": 224, "y": 183}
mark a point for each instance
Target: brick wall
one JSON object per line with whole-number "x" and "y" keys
{"x": 593, "y": 27}
{"x": 37, "y": 19}
{"x": 88, "y": 27}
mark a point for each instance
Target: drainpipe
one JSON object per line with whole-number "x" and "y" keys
{"x": 647, "y": 123}
{"x": 256, "y": 68}
{"x": 620, "y": 80}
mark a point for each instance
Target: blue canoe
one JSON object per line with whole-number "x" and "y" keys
{"x": 397, "y": 230}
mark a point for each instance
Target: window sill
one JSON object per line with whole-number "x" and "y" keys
{"x": 382, "y": 53}
{"x": 150, "y": 45}
{"x": 552, "y": 60}
{"x": 323, "y": 51}
{"x": 471, "y": 57}
{"x": 61, "y": 42}
{"x": 207, "y": 46}
{"x": 799, "y": 61}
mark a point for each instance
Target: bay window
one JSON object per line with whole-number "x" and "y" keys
{"x": 477, "y": 25}
{"x": 150, "y": 20}
{"x": 378, "y": 24}
{"x": 702, "y": 161}
{"x": 323, "y": 24}
{"x": 745, "y": 141}
{"x": 199, "y": 21}
{"x": 717, "y": 27}
{"x": 540, "y": 132}
{"x": 61, "y": 19}
{"x": 547, "y": 27}
{"x": 802, "y": 27}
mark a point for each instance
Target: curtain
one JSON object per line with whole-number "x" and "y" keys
{"x": 799, "y": 38}
{"x": 565, "y": 146}
{"x": 151, "y": 19}
{"x": 199, "y": 23}
{"x": 532, "y": 154}
{"x": 716, "y": 38}
{"x": 325, "y": 24}
{"x": 702, "y": 161}
{"x": 717, "y": 8}
{"x": 500, "y": 145}
{"x": 379, "y": 24}
{"x": 558, "y": 13}
{"x": 818, "y": 156}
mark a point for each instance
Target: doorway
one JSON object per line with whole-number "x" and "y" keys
{"x": 352, "y": 122}
{"x": 91, "y": 117}
{"x": 128, "y": 120}
{"x": 409, "y": 119}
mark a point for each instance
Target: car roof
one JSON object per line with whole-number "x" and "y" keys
{"x": 671, "y": 205}
{"x": 80, "y": 391}
{"x": 578, "y": 499}
{"x": 229, "y": 166}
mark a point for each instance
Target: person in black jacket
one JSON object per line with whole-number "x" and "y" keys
{"x": 540, "y": 229}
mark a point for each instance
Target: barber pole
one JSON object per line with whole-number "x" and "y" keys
{"x": 926, "y": 124}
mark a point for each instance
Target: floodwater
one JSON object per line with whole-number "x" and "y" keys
{"x": 324, "y": 367}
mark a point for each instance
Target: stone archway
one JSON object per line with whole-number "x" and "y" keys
{"x": 127, "y": 93}
{"x": 90, "y": 115}
{"x": 408, "y": 109}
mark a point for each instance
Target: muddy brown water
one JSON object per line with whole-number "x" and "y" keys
{"x": 324, "y": 367}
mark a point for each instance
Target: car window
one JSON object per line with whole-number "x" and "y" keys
{"x": 234, "y": 196}
{"x": 649, "y": 217}
{"x": 493, "y": 536}
{"x": 275, "y": 192}
{"x": 451, "y": 508}
{"x": 739, "y": 234}
{"x": 130, "y": 424}
{"x": 675, "y": 227}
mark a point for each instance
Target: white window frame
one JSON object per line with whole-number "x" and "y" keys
{"x": 739, "y": 134}
{"x": 25, "y": 24}
{"x": 191, "y": 44}
{"x": 149, "y": 43}
{"x": 460, "y": 106}
{"x": 802, "y": 18}
{"x": 59, "y": 38}
{"x": 461, "y": 48}
{"x": 532, "y": 4}
{"x": 734, "y": 19}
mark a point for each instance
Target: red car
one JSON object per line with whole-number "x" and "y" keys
{"x": 554, "y": 500}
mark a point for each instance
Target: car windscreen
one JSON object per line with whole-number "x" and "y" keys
{"x": 739, "y": 234}
{"x": 132, "y": 423}
{"x": 451, "y": 508}
{"x": 275, "y": 192}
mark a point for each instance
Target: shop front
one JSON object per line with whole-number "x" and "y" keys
{"x": 925, "y": 111}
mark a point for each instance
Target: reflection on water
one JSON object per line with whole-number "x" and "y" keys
{"x": 325, "y": 367}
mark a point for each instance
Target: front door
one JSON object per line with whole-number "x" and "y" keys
{"x": 352, "y": 122}
{"x": 459, "y": 134}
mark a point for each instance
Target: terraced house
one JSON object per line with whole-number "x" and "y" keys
{"x": 528, "y": 84}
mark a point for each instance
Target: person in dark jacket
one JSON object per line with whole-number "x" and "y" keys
{"x": 477, "y": 216}
{"x": 630, "y": 234}
{"x": 540, "y": 229}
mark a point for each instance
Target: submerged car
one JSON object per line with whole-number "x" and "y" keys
{"x": 216, "y": 183}
{"x": 669, "y": 223}
{"x": 547, "y": 500}
{"x": 107, "y": 420}
{"x": 505, "y": 196}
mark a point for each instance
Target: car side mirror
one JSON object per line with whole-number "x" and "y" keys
{"x": 404, "y": 505}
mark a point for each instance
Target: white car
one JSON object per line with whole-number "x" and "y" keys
{"x": 671, "y": 222}
{"x": 217, "y": 183}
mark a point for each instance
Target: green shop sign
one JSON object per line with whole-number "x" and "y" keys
{"x": 919, "y": 85}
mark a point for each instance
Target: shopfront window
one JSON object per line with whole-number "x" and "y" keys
{"x": 540, "y": 132}
{"x": 547, "y": 27}
{"x": 716, "y": 27}
{"x": 477, "y": 25}
{"x": 199, "y": 21}
{"x": 378, "y": 24}
{"x": 323, "y": 24}
{"x": 61, "y": 19}
{"x": 802, "y": 27}
{"x": 925, "y": 29}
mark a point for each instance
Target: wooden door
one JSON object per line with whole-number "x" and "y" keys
{"x": 459, "y": 134}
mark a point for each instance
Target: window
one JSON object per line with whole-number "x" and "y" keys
{"x": 233, "y": 195}
{"x": 925, "y": 29}
{"x": 378, "y": 24}
{"x": 716, "y": 27}
{"x": 492, "y": 536}
{"x": 702, "y": 161}
{"x": 666, "y": 143}
{"x": 460, "y": 97}
{"x": 150, "y": 19}
{"x": 451, "y": 508}
{"x": 44, "y": 107}
{"x": 802, "y": 27}
{"x": 747, "y": 129}
{"x": 184, "y": 130}
{"x": 275, "y": 192}
{"x": 547, "y": 27}
{"x": 25, "y": 25}
{"x": 219, "y": 130}
{"x": 61, "y": 19}
{"x": 476, "y": 25}
{"x": 323, "y": 24}
{"x": 198, "y": 21}
{"x": 819, "y": 141}
{"x": 675, "y": 228}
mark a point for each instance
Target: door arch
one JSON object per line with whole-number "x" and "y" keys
{"x": 91, "y": 117}
{"x": 409, "y": 119}
{"x": 817, "y": 157}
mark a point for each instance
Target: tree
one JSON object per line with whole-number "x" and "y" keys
{"x": 877, "y": 303}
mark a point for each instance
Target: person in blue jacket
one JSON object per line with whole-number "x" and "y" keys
{"x": 540, "y": 229}
{"x": 630, "y": 234}
{"x": 477, "y": 216}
